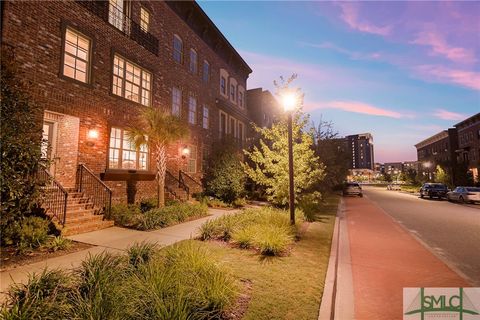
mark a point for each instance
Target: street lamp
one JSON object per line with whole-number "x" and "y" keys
{"x": 427, "y": 166}
{"x": 289, "y": 101}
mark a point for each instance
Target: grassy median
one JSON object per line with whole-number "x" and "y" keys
{"x": 287, "y": 287}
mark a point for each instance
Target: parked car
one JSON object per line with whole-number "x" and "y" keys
{"x": 352, "y": 188}
{"x": 434, "y": 190}
{"x": 394, "y": 186}
{"x": 464, "y": 194}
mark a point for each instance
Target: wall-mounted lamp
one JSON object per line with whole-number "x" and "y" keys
{"x": 92, "y": 134}
{"x": 185, "y": 152}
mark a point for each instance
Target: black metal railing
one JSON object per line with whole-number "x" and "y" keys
{"x": 55, "y": 196}
{"x": 183, "y": 185}
{"x": 95, "y": 189}
{"x": 183, "y": 176}
{"x": 171, "y": 180}
{"x": 116, "y": 16}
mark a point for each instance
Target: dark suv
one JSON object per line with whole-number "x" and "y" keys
{"x": 431, "y": 190}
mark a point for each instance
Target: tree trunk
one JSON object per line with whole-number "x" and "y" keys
{"x": 161, "y": 171}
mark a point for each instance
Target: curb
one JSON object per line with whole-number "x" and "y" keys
{"x": 337, "y": 300}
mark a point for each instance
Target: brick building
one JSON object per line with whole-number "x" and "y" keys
{"x": 93, "y": 65}
{"x": 438, "y": 149}
{"x": 263, "y": 107}
{"x": 360, "y": 146}
{"x": 468, "y": 151}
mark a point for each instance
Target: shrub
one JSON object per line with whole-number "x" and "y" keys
{"x": 155, "y": 218}
{"x": 44, "y": 296}
{"x": 141, "y": 253}
{"x": 272, "y": 240}
{"x": 266, "y": 229}
{"x": 240, "y": 202}
{"x": 124, "y": 214}
{"x": 310, "y": 204}
{"x": 148, "y": 204}
{"x": 58, "y": 243}
{"x": 165, "y": 216}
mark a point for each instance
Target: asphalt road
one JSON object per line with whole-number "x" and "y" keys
{"x": 451, "y": 231}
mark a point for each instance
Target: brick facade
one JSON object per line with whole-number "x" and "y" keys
{"x": 36, "y": 31}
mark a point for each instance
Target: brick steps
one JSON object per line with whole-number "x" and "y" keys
{"x": 69, "y": 230}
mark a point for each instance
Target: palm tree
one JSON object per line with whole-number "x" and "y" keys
{"x": 158, "y": 129}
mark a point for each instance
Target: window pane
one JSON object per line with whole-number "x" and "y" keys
{"x": 76, "y": 55}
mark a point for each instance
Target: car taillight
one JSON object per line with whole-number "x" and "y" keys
{"x": 470, "y": 194}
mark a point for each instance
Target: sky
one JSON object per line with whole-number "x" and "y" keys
{"x": 402, "y": 71}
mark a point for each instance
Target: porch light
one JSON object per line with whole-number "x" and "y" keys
{"x": 185, "y": 152}
{"x": 92, "y": 134}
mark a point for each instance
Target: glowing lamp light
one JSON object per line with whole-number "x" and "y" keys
{"x": 185, "y": 152}
{"x": 92, "y": 134}
{"x": 427, "y": 164}
{"x": 289, "y": 101}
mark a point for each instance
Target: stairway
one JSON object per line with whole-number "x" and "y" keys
{"x": 82, "y": 216}
{"x": 173, "y": 192}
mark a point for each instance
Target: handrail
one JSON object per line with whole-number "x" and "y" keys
{"x": 91, "y": 185}
{"x": 56, "y": 197}
{"x": 190, "y": 178}
{"x": 181, "y": 183}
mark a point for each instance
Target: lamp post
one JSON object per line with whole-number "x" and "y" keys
{"x": 427, "y": 166}
{"x": 289, "y": 101}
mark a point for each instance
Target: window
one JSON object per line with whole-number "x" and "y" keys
{"x": 144, "y": 19}
{"x": 123, "y": 154}
{"x": 76, "y": 59}
{"x": 205, "y": 158}
{"x": 193, "y": 61}
{"x": 177, "y": 49}
{"x": 233, "y": 129}
{"x": 240, "y": 99}
{"x": 223, "y": 85}
{"x": 232, "y": 92}
{"x": 192, "y": 109}
{"x": 206, "y": 71}
{"x": 176, "y": 101}
{"x": 223, "y": 124}
{"x": 115, "y": 13}
{"x": 191, "y": 166}
{"x": 131, "y": 81}
{"x": 240, "y": 131}
{"x": 205, "y": 122}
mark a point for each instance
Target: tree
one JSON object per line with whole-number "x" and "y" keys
{"x": 269, "y": 161}
{"x": 441, "y": 176}
{"x": 331, "y": 151}
{"x": 225, "y": 177}
{"x": 157, "y": 129}
{"x": 20, "y": 140}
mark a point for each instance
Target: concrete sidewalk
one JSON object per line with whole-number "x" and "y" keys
{"x": 385, "y": 258}
{"x": 112, "y": 239}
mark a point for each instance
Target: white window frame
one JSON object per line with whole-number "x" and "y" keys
{"x": 120, "y": 151}
{"x": 145, "y": 18}
{"x": 177, "y": 52}
{"x": 176, "y": 101}
{"x": 81, "y": 56}
{"x": 206, "y": 117}
{"x": 192, "y": 110}
{"x": 121, "y": 81}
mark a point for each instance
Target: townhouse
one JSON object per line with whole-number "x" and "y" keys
{"x": 93, "y": 65}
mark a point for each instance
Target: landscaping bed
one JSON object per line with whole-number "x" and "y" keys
{"x": 11, "y": 258}
{"x": 145, "y": 215}
{"x": 183, "y": 281}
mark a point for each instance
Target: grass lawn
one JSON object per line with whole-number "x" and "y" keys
{"x": 411, "y": 189}
{"x": 287, "y": 287}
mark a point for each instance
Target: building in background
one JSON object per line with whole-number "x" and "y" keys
{"x": 263, "y": 108}
{"x": 360, "y": 147}
{"x": 393, "y": 168}
{"x": 438, "y": 149}
{"x": 468, "y": 152}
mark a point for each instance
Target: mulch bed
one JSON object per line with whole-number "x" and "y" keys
{"x": 238, "y": 310}
{"x": 10, "y": 259}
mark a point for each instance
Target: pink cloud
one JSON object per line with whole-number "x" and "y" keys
{"x": 448, "y": 115}
{"x": 440, "y": 47}
{"x": 355, "y": 55}
{"x": 350, "y": 15}
{"x": 465, "y": 78}
{"x": 357, "y": 107}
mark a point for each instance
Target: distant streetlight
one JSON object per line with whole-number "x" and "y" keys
{"x": 290, "y": 101}
{"x": 427, "y": 166}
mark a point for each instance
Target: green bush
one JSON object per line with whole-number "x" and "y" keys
{"x": 239, "y": 203}
{"x": 58, "y": 243}
{"x": 310, "y": 204}
{"x": 148, "y": 204}
{"x": 44, "y": 296}
{"x": 28, "y": 233}
{"x": 141, "y": 253}
{"x": 124, "y": 214}
{"x": 266, "y": 229}
{"x": 179, "y": 282}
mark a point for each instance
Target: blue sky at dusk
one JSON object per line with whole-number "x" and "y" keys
{"x": 400, "y": 70}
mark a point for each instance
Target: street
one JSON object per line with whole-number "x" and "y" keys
{"x": 450, "y": 231}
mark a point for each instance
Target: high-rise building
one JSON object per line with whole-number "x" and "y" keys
{"x": 360, "y": 148}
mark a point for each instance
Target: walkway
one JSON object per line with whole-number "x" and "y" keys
{"x": 384, "y": 259}
{"x": 112, "y": 239}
